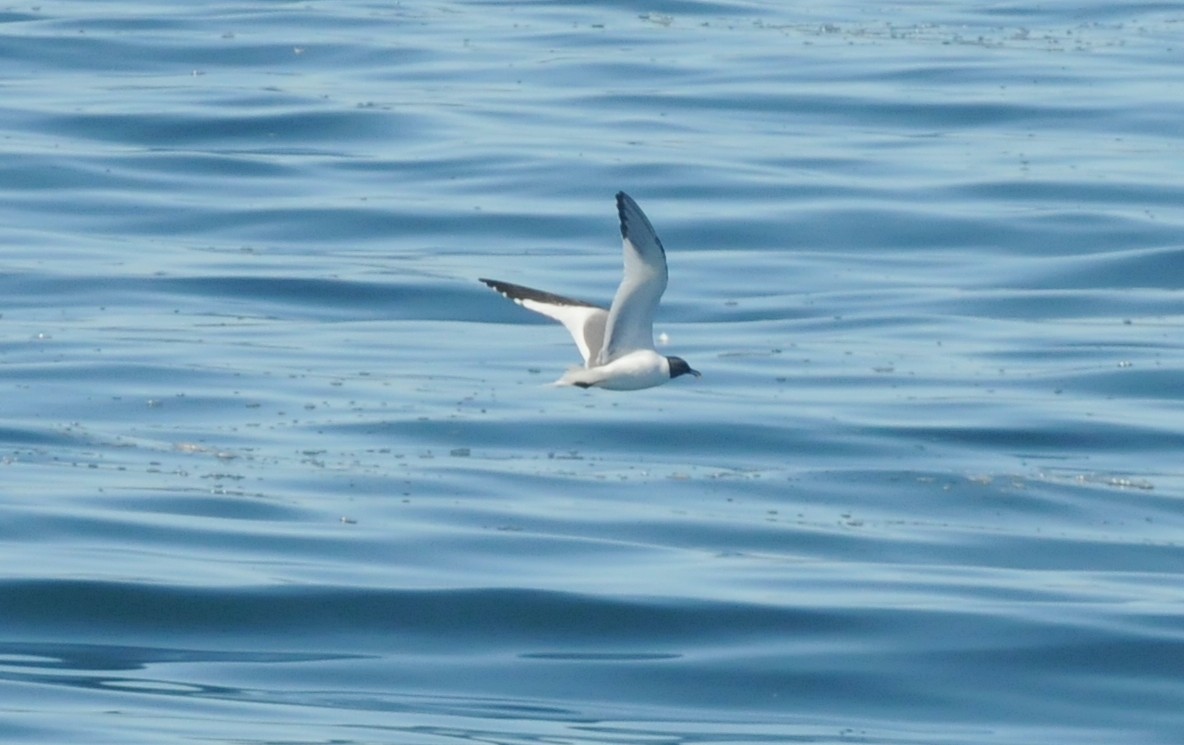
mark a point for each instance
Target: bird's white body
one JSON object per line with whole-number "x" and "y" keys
{"x": 643, "y": 368}
{"x": 617, "y": 343}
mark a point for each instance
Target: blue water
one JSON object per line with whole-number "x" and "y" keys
{"x": 275, "y": 467}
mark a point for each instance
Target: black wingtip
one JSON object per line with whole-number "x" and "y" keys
{"x": 518, "y": 293}
{"x": 629, "y": 211}
{"x": 622, "y": 200}
{"x": 494, "y": 284}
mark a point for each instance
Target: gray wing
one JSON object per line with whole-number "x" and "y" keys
{"x": 584, "y": 321}
{"x": 631, "y": 317}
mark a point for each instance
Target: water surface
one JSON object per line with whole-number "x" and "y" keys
{"x": 275, "y": 467}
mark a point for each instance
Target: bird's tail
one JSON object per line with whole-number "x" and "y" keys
{"x": 581, "y": 377}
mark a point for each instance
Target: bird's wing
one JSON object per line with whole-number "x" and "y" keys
{"x": 584, "y": 321}
{"x": 631, "y": 317}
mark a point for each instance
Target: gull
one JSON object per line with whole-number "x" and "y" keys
{"x": 617, "y": 344}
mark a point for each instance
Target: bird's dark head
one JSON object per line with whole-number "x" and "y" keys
{"x": 679, "y": 366}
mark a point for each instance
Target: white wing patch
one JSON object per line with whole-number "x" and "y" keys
{"x": 631, "y": 318}
{"x": 584, "y": 321}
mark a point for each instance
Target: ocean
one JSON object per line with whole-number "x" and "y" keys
{"x": 276, "y": 468}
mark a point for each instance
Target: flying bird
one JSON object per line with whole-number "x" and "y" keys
{"x": 617, "y": 344}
